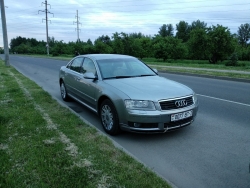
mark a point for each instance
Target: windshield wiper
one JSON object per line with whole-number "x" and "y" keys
{"x": 117, "y": 77}
{"x": 145, "y": 75}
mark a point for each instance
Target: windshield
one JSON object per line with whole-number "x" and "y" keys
{"x": 123, "y": 68}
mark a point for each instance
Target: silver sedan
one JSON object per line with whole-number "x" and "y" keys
{"x": 127, "y": 94}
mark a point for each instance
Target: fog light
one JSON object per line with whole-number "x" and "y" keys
{"x": 137, "y": 125}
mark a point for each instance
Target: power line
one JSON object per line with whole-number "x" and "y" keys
{"x": 163, "y": 9}
{"x": 159, "y": 4}
{"x": 46, "y": 19}
{"x": 24, "y": 25}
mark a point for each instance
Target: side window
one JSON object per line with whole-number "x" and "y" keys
{"x": 76, "y": 64}
{"x": 88, "y": 66}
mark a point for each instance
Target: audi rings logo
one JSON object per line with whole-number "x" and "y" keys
{"x": 180, "y": 103}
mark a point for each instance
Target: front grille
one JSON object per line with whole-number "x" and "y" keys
{"x": 170, "y": 104}
{"x": 180, "y": 123}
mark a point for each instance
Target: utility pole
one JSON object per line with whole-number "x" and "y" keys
{"x": 46, "y": 19}
{"x": 77, "y": 22}
{"x": 5, "y": 37}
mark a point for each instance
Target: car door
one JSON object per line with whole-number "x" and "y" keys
{"x": 73, "y": 76}
{"x": 88, "y": 87}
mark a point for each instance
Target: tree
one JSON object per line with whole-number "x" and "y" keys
{"x": 102, "y": 47}
{"x": 136, "y": 35}
{"x": 23, "y": 49}
{"x": 169, "y": 48}
{"x": 244, "y": 34}
{"x": 60, "y": 48}
{"x": 127, "y": 41}
{"x": 15, "y": 42}
{"x": 243, "y": 52}
{"x": 198, "y": 24}
{"x": 88, "y": 49}
{"x": 89, "y": 42}
{"x": 27, "y": 45}
{"x": 198, "y": 44}
{"x": 137, "y": 49}
{"x": 52, "y": 41}
{"x": 33, "y": 42}
{"x": 141, "y": 47}
{"x": 146, "y": 43}
{"x": 233, "y": 60}
{"x": 248, "y": 53}
{"x": 105, "y": 39}
{"x": 166, "y": 30}
{"x": 221, "y": 43}
{"x": 117, "y": 43}
{"x": 183, "y": 30}
{"x": 122, "y": 43}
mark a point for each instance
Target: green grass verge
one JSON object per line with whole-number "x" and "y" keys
{"x": 243, "y": 65}
{"x": 203, "y": 72}
{"x": 43, "y": 144}
{"x": 65, "y": 57}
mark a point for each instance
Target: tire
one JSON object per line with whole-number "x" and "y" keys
{"x": 109, "y": 118}
{"x": 64, "y": 93}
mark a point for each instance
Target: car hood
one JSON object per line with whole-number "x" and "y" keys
{"x": 150, "y": 88}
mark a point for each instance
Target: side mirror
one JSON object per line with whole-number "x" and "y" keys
{"x": 89, "y": 75}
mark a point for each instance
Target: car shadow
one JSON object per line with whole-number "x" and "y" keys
{"x": 183, "y": 132}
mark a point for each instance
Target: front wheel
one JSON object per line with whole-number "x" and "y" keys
{"x": 64, "y": 93}
{"x": 109, "y": 118}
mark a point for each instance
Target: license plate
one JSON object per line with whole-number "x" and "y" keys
{"x": 182, "y": 115}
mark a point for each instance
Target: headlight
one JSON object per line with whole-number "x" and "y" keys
{"x": 195, "y": 98}
{"x": 139, "y": 105}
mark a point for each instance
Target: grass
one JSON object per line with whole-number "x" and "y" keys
{"x": 62, "y": 57}
{"x": 203, "y": 72}
{"x": 43, "y": 144}
{"x": 215, "y": 70}
{"x": 243, "y": 65}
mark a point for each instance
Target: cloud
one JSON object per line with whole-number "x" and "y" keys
{"x": 104, "y": 17}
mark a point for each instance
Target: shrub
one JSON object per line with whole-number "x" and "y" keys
{"x": 55, "y": 53}
{"x": 233, "y": 60}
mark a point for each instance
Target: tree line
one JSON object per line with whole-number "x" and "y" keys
{"x": 193, "y": 41}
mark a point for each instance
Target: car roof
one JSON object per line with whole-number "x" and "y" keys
{"x": 106, "y": 56}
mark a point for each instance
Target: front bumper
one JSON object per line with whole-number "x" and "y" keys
{"x": 156, "y": 121}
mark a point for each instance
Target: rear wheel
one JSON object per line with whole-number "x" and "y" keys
{"x": 109, "y": 118}
{"x": 64, "y": 93}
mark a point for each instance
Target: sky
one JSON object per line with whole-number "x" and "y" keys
{"x": 26, "y": 18}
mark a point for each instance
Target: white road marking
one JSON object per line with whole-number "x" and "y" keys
{"x": 248, "y": 105}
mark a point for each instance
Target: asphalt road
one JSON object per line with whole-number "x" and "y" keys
{"x": 213, "y": 152}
